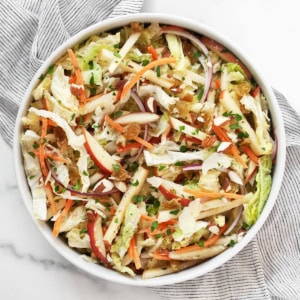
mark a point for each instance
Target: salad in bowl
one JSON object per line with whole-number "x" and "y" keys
{"x": 148, "y": 149}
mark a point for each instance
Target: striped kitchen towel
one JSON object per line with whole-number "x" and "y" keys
{"x": 269, "y": 267}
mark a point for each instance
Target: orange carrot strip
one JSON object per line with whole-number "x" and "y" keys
{"x": 134, "y": 80}
{"x": 52, "y": 156}
{"x": 113, "y": 124}
{"x": 152, "y": 51}
{"x": 247, "y": 150}
{"x": 221, "y": 134}
{"x": 78, "y": 74}
{"x": 128, "y": 147}
{"x": 121, "y": 129}
{"x": 147, "y": 218}
{"x": 133, "y": 253}
{"x": 218, "y": 83}
{"x": 210, "y": 242}
{"x": 59, "y": 220}
{"x": 143, "y": 142}
{"x": 201, "y": 194}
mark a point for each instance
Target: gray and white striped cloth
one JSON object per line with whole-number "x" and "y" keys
{"x": 269, "y": 267}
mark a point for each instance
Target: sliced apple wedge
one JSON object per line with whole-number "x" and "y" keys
{"x": 98, "y": 154}
{"x": 137, "y": 117}
{"x": 224, "y": 54}
{"x": 187, "y": 129}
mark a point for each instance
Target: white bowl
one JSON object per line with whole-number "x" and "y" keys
{"x": 210, "y": 264}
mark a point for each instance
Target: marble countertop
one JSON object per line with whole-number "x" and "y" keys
{"x": 269, "y": 33}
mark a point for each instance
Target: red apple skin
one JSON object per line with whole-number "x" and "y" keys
{"x": 227, "y": 56}
{"x": 249, "y": 177}
{"x": 169, "y": 195}
{"x": 99, "y": 161}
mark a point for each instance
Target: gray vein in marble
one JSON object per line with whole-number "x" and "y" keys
{"x": 46, "y": 263}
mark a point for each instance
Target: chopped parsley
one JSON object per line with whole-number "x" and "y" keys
{"x": 91, "y": 64}
{"x": 154, "y": 226}
{"x": 31, "y": 154}
{"x": 182, "y": 148}
{"x": 243, "y": 135}
{"x": 136, "y": 183}
{"x": 31, "y": 177}
{"x": 181, "y": 128}
{"x": 51, "y": 70}
{"x": 138, "y": 198}
{"x": 152, "y": 206}
{"x": 179, "y": 164}
{"x": 201, "y": 93}
{"x": 35, "y": 145}
{"x": 235, "y": 126}
{"x": 41, "y": 77}
{"x": 80, "y": 120}
{"x": 145, "y": 62}
{"x": 77, "y": 186}
{"x": 116, "y": 168}
{"x": 73, "y": 116}
{"x": 117, "y": 114}
{"x": 161, "y": 168}
{"x": 83, "y": 231}
{"x": 117, "y": 54}
{"x": 158, "y": 71}
{"x": 200, "y": 244}
{"x": 85, "y": 173}
{"x": 231, "y": 243}
{"x": 197, "y": 54}
{"x": 168, "y": 231}
{"x": 92, "y": 79}
{"x": 174, "y": 212}
{"x": 116, "y": 220}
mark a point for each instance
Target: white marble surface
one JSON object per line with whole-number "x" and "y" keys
{"x": 267, "y": 30}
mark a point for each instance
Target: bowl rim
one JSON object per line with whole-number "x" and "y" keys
{"x": 209, "y": 265}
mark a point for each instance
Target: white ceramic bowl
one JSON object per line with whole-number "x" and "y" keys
{"x": 210, "y": 264}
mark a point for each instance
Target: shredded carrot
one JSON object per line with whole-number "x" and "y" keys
{"x": 221, "y": 134}
{"x": 218, "y": 83}
{"x": 113, "y": 124}
{"x": 152, "y": 51}
{"x": 50, "y": 198}
{"x": 143, "y": 142}
{"x": 133, "y": 253}
{"x": 121, "y": 129}
{"x": 129, "y": 147}
{"x": 42, "y": 147}
{"x": 210, "y": 242}
{"x": 59, "y": 220}
{"x": 155, "y": 63}
{"x": 112, "y": 212}
{"x": 78, "y": 74}
{"x": 201, "y": 194}
{"x": 147, "y": 218}
{"x": 52, "y": 156}
{"x": 247, "y": 150}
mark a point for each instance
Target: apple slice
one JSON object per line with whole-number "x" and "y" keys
{"x": 137, "y": 117}
{"x": 224, "y": 54}
{"x": 251, "y": 171}
{"x": 187, "y": 129}
{"x": 168, "y": 188}
{"x": 150, "y": 104}
{"x": 98, "y": 154}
